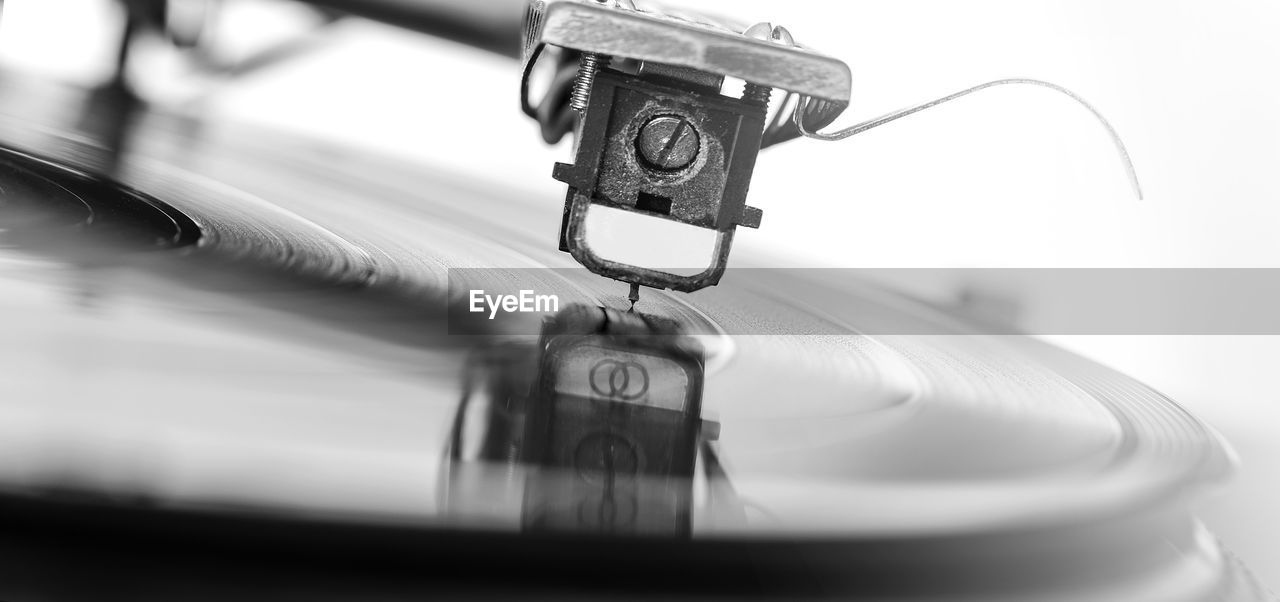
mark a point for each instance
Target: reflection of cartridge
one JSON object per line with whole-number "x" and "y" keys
{"x": 615, "y": 427}
{"x": 596, "y": 429}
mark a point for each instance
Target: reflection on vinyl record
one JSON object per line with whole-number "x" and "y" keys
{"x": 226, "y": 348}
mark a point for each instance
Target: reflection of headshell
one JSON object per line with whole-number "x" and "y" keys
{"x": 589, "y": 320}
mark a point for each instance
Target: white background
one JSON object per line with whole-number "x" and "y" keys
{"x": 1009, "y": 178}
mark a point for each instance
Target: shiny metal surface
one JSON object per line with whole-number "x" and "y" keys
{"x": 668, "y": 143}
{"x": 696, "y": 42}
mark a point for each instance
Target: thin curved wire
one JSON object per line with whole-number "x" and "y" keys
{"x": 802, "y": 106}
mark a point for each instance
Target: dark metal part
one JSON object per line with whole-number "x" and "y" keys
{"x": 757, "y": 94}
{"x": 656, "y": 135}
{"x": 668, "y": 143}
{"x": 590, "y": 65}
{"x": 620, "y": 166}
{"x": 709, "y": 194}
{"x": 681, "y": 77}
{"x": 634, "y": 296}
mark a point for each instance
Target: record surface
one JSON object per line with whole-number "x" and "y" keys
{"x": 255, "y": 326}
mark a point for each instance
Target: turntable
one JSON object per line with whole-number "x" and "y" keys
{"x": 239, "y": 364}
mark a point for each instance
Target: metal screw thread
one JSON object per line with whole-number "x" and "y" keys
{"x": 757, "y": 94}
{"x": 581, "y": 97}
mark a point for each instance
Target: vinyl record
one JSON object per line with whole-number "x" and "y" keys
{"x": 229, "y": 335}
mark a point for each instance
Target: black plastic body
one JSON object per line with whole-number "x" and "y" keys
{"x": 710, "y": 193}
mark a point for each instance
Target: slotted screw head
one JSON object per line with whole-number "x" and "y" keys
{"x": 668, "y": 143}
